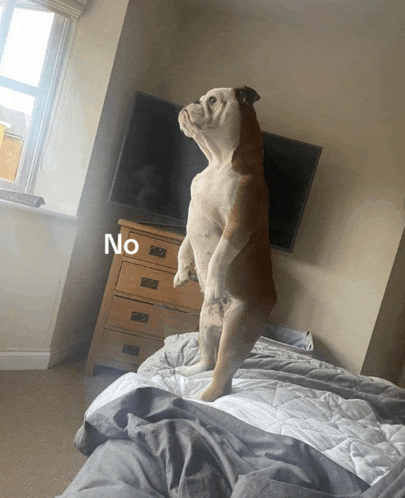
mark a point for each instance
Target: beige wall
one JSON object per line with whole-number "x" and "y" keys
{"x": 142, "y": 62}
{"x": 35, "y": 252}
{"x": 330, "y": 73}
{"x": 386, "y": 352}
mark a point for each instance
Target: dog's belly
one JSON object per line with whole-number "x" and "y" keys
{"x": 204, "y": 235}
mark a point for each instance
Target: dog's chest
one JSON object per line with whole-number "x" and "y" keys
{"x": 215, "y": 192}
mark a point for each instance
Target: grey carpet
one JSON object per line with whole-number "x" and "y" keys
{"x": 40, "y": 412}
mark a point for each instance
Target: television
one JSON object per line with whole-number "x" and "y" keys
{"x": 158, "y": 162}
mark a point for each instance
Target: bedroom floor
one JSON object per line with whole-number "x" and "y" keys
{"x": 40, "y": 412}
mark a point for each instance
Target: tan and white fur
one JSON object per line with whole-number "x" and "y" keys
{"x": 227, "y": 234}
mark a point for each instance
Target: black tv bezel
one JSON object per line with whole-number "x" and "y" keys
{"x": 171, "y": 222}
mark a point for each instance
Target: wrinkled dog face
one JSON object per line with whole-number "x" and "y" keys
{"x": 214, "y": 115}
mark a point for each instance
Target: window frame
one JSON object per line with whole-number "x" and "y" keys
{"x": 45, "y": 93}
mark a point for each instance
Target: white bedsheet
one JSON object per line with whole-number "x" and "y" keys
{"x": 347, "y": 431}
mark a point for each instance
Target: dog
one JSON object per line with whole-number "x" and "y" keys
{"x": 227, "y": 234}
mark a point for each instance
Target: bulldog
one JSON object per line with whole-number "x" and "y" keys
{"x": 227, "y": 239}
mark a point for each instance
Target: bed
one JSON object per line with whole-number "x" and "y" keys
{"x": 293, "y": 427}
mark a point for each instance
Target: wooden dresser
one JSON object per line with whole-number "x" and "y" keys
{"x": 140, "y": 306}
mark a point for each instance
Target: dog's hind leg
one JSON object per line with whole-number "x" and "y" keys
{"x": 242, "y": 327}
{"x": 211, "y": 319}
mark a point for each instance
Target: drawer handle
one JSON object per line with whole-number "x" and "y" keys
{"x": 149, "y": 283}
{"x": 159, "y": 252}
{"x": 132, "y": 350}
{"x": 139, "y": 317}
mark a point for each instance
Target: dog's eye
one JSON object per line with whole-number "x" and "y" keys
{"x": 212, "y": 100}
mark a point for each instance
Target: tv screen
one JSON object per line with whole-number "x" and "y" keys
{"x": 158, "y": 162}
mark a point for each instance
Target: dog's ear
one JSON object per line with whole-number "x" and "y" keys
{"x": 246, "y": 95}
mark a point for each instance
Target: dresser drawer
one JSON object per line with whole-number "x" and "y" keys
{"x": 157, "y": 285}
{"x": 127, "y": 348}
{"x": 155, "y": 251}
{"x": 142, "y": 317}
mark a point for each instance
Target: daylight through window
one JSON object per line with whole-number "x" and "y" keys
{"x": 32, "y": 40}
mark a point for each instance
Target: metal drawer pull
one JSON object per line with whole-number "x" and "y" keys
{"x": 139, "y": 317}
{"x": 160, "y": 252}
{"x": 132, "y": 350}
{"x": 149, "y": 283}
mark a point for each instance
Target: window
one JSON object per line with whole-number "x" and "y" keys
{"x": 33, "y": 46}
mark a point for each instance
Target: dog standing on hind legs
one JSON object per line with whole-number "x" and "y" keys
{"x": 227, "y": 233}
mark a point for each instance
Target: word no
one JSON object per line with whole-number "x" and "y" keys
{"x": 117, "y": 248}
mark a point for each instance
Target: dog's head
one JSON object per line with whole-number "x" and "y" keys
{"x": 214, "y": 120}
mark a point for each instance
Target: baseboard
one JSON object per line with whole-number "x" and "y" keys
{"x": 24, "y": 360}
{"x": 40, "y": 360}
{"x": 59, "y": 354}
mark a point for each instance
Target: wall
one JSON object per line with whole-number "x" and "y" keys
{"x": 329, "y": 73}
{"x": 35, "y": 252}
{"x": 142, "y": 62}
{"x": 36, "y": 245}
{"x": 386, "y": 352}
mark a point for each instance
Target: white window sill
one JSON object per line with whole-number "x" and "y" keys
{"x": 42, "y": 210}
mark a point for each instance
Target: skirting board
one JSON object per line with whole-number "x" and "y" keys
{"x": 39, "y": 360}
{"x": 24, "y": 360}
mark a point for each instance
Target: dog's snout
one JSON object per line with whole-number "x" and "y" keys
{"x": 196, "y": 101}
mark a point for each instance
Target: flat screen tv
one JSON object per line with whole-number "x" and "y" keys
{"x": 158, "y": 162}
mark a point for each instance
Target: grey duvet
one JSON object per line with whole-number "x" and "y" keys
{"x": 144, "y": 439}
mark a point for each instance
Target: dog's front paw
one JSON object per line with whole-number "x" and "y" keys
{"x": 214, "y": 291}
{"x": 181, "y": 278}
